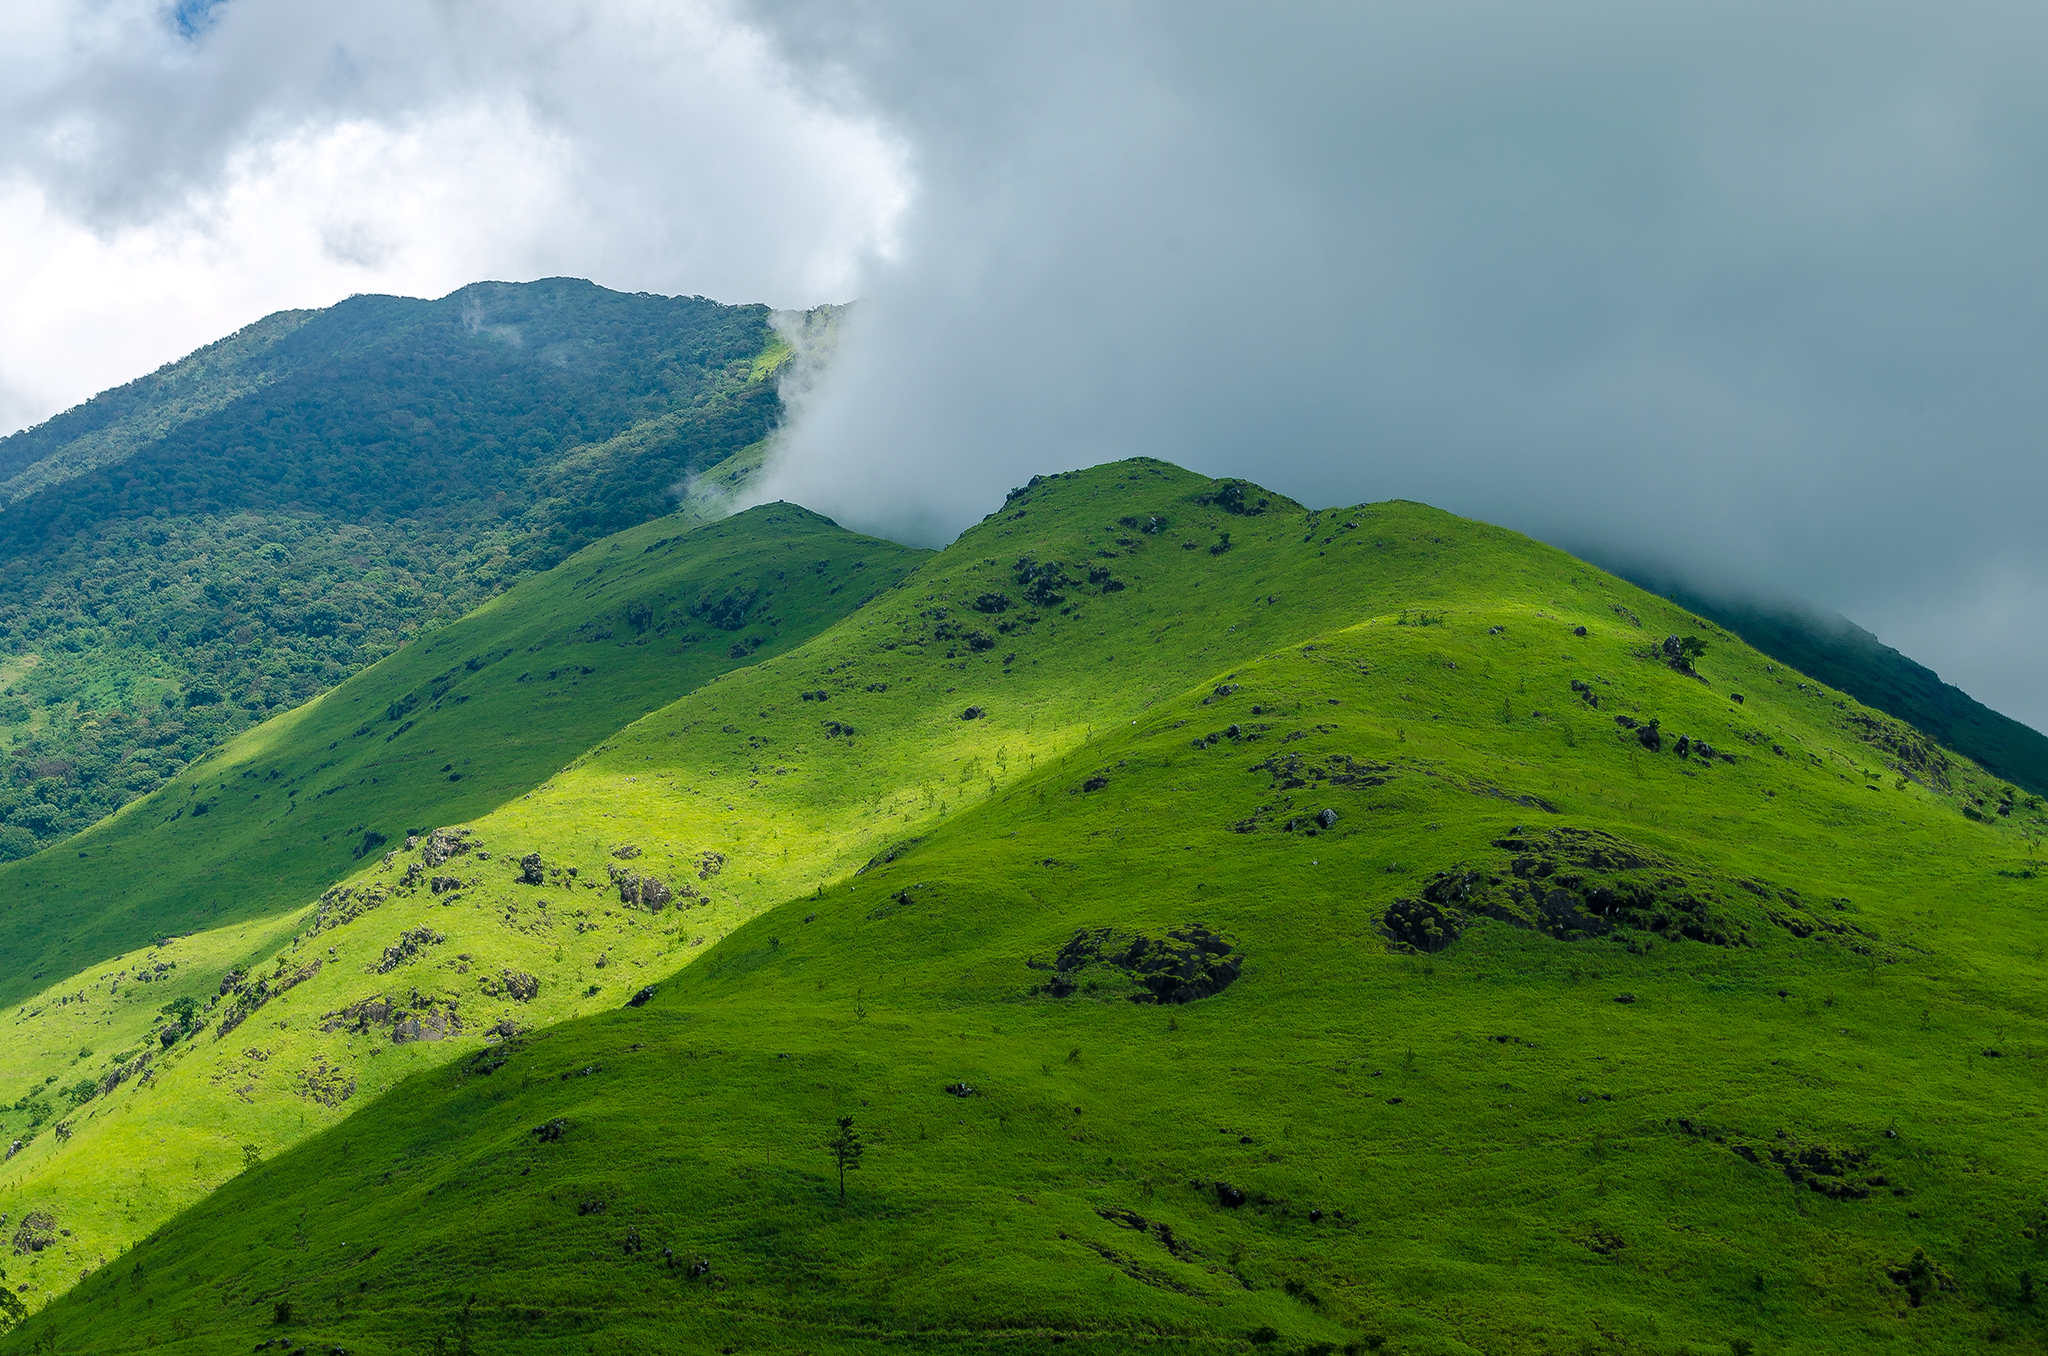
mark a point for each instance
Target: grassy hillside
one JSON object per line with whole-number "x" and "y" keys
{"x": 474, "y": 714}
{"x": 1554, "y": 1034}
{"x": 225, "y": 539}
{"x": 162, "y": 901}
{"x": 1844, "y": 655}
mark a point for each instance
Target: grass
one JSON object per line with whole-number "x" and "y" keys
{"x": 454, "y": 724}
{"x": 174, "y": 899}
{"x": 1475, "y": 1149}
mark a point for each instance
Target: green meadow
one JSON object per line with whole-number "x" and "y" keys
{"x": 1227, "y": 926}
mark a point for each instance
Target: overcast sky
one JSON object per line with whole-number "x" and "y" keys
{"x": 1754, "y": 290}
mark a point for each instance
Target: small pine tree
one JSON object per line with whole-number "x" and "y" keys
{"x": 846, "y": 1149}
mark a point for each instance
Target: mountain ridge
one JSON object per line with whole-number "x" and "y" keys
{"x": 1145, "y": 753}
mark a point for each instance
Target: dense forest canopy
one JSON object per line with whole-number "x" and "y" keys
{"x": 236, "y": 533}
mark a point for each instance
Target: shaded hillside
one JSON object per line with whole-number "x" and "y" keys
{"x": 446, "y": 729}
{"x": 1229, "y": 926}
{"x": 1844, "y": 655}
{"x": 233, "y": 535}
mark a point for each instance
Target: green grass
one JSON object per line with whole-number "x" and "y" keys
{"x": 1489, "y": 1208}
{"x": 1844, "y": 655}
{"x": 157, "y": 903}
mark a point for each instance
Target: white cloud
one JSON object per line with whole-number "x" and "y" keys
{"x": 159, "y": 191}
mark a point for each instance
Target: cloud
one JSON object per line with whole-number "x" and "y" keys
{"x": 1749, "y": 290}
{"x": 169, "y": 173}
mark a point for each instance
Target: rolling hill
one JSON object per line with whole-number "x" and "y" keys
{"x": 1228, "y": 925}
{"x": 448, "y": 728}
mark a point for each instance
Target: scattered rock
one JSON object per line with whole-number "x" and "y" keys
{"x": 959, "y": 1090}
{"x": 974, "y": 712}
{"x": 1232, "y": 496}
{"x": 323, "y": 1083}
{"x": 1042, "y": 581}
{"x": 651, "y": 893}
{"x": 1577, "y": 884}
{"x": 640, "y": 999}
{"x": 531, "y": 871}
{"x": 1229, "y": 1197}
{"x": 429, "y": 1025}
{"x": 360, "y": 1016}
{"x": 1326, "y": 818}
{"x": 410, "y": 944}
{"x": 346, "y": 903}
{"x": 38, "y": 1230}
{"x": 1187, "y": 964}
{"x": 1624, "y": 998}
{"x": 626, "y": 852}
{"x": 444, "y": 844}
{"x": 550, "y": 1131}
{"x": 1578, "y": 630}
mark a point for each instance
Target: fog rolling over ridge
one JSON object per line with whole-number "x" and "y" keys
{"x": 1747, "y": 291}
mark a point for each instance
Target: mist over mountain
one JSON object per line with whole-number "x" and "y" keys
{"x": 1743, "y": 289}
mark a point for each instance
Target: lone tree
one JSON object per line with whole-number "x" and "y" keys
{"x": 846, "y": 1148}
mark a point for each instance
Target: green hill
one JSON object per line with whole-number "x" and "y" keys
{"x": 158, "y": 902}
{"x": 472, "y": 715}
{"x": 227, "y": 538}
{"x": 1506, "y": 980}
{"x": 1844, "y": 655}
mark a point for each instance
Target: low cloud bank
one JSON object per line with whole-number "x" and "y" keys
{"x": 1748, "y": 291}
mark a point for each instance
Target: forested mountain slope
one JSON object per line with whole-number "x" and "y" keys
{"x": 227, "y": 538}
{"x": 1505, "y": 979}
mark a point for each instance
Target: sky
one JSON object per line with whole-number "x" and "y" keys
{"x": 1747, "y": 292}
